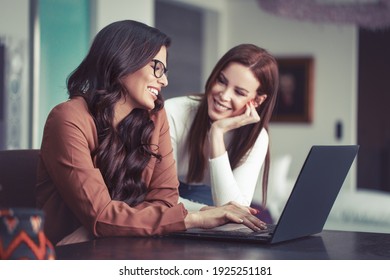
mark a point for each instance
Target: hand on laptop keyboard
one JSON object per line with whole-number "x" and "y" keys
{"x": 231, "y": 212}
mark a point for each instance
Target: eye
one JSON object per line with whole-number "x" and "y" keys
{"x": 241, "y": 93}
{"x": 221, "y": 79}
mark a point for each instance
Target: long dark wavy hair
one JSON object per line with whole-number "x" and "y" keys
{"x": 264, "y": 67}
{"x": 119, "y": 49}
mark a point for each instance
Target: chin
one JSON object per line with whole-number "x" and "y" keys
{"x": 215, "y": 116}
{"x": 149, "y": 105}
{"x": 150, "y": 108}
{"x": 145, "y": 107}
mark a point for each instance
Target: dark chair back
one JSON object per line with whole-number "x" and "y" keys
{"x": 18, "y": 174}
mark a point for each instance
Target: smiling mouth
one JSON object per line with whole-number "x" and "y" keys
{"x": 153, "y": 91}
{"x": 220, "y": 107}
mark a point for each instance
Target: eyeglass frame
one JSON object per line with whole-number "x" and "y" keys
{"x": 164, "y": 72}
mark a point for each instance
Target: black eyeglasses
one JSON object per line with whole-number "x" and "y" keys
{"x": 159, "y": 68}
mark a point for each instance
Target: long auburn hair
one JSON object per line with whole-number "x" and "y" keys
{"x": 264, "y": 66}
{"x": 119, "y": 49}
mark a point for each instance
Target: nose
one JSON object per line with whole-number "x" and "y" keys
{"x": 225, "y": 93}
{"x": 163, "y": 81}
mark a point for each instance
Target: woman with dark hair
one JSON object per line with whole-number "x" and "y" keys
{"x": 106, "y": 164}
{"x": 220, "y": 138}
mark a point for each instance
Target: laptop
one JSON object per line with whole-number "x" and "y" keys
{"x": 306, "y": 210}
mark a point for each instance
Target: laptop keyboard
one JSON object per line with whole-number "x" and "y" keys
{"x": 245, "y": 231}
{"x": 269, "y": 230}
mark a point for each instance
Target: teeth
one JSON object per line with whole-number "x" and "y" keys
{"x": 153, "y": 90}
{"x": 219, "y": 106}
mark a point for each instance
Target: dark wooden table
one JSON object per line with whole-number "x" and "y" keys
{"x": 336, "y": 245}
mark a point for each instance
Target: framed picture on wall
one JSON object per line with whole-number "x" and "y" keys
{"x": 294, "y": 103}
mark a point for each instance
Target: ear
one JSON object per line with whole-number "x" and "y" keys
{"x": 259, "y": 99}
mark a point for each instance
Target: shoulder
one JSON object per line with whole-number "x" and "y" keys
{"x": 263, "y": 138}
{"x": 263, "y": 134}
{"x": 74, "y": 110}
{"x": 178, "y": 103}
{"x": 67, "y": 122}
{"x": 75, "y": 105}
{"x": 182, "y": 105}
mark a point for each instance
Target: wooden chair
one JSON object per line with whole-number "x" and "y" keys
{"x": 18, "y": 170}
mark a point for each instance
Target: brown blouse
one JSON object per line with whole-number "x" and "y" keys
{"x": 72, "y": 192}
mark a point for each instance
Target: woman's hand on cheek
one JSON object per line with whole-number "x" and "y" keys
{"x": 220, "y": 127}
{"x": 249, "y": 116}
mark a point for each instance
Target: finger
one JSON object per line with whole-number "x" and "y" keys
{"x": 254, "y": 223}
{"x": 248, "y": 109}
{"x": 254, "y": 113}
{"x": 254, "y": 211}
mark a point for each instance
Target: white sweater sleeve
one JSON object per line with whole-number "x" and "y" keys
{"x": 172, "y": 129}
{"x": 191, "y": 205}
{"x": 239, "y": 184}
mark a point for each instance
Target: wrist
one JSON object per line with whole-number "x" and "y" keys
{"x": 204, "y": 208}
{"x": 217, "y": 144}
{"x": 216, "y": 131}
{"x": 192, "y": 220}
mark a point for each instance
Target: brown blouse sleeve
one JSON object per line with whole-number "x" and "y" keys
{"x": 69, "y": 137}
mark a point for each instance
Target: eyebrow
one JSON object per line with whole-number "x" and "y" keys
{"x": 239, "y": 88}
